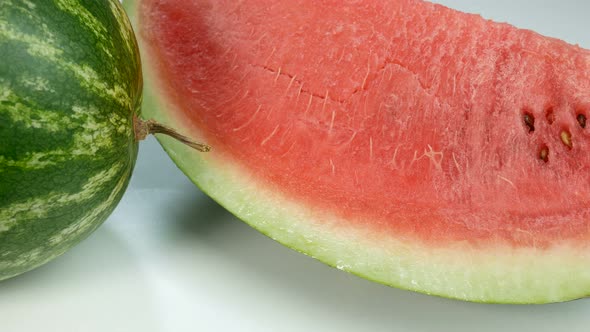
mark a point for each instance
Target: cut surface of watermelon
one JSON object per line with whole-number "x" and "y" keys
{"x": 402, "y": 141}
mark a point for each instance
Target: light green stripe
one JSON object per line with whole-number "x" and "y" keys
{"x": 88, "y": 77}
{"x": 36, "y": 83}
{"x": 97, "y": 134}
{"x": 37, "y": 47}
{"x": 40, "y": 207}
{"x": 127, "y": 32}
{"x": 24, "y": 259}
{"x": 89, "y": 21}
{"x": 19, "y": 112}
{"x": 87, "y": 221}
{"x": 84, "y": 225}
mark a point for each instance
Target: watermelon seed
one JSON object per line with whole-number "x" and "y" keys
{"x": 529, "y": 121}
{"x": 566, "y": 138}
{"x": 544, "y": 153}
{"x": 549, "y": 115}
{"x": 581, "y": 120}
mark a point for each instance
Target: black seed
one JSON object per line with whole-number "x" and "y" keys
{"x": 529, "y": 121}
{"x": 581, "y": 120}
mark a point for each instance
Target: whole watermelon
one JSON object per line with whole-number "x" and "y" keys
{"x": 70, "y": 88}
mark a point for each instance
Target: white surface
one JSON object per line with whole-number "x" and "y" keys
{"x": 171, "y": 260}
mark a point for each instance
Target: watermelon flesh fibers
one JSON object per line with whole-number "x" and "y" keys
{"x": 399, "y": 140}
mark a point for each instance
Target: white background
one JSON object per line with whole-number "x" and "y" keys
{"x": 171, "y": 260}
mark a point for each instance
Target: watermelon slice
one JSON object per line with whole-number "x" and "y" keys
{"x": 398, "y": 140}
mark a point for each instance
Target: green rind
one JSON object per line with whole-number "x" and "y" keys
{"x": 70, "y": 82}
{"x": 497, "y": 274}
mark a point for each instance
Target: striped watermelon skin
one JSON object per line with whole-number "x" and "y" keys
{"x": 70, "y": 85}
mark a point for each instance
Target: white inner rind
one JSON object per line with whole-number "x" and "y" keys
{"x": 498, "y": 273}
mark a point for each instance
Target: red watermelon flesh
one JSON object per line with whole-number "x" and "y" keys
{"x": 399, "y": 118}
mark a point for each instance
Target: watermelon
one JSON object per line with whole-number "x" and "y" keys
{"x": 398, "y": 140}
{"x": 70, "y": 86}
